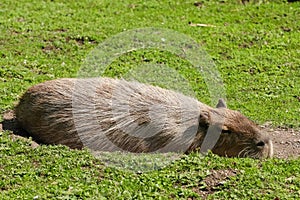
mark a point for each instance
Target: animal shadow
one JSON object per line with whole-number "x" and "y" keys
{"x": 9, "y": 123}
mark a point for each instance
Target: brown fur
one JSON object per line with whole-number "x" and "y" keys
{"x": 112, "y": 115}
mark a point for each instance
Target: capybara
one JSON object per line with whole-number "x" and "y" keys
{"x": 106, "y": 114}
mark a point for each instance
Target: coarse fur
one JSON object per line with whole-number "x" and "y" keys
{"x": 107, "y": 114}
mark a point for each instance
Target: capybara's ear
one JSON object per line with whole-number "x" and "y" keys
{"x": 221, "y": 104}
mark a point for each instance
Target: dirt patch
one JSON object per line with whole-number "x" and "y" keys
{"x": 214, "y": 181}
{"x": 49, "y": 48}
{"x": 9, "y": 123}
{"x": 286, "y": 141}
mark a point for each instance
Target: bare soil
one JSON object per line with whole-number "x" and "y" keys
{"x": 286, "y": 141}
{"x": 214, "y": 181}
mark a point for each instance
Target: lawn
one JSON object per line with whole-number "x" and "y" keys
{"x": 252, "y": 46}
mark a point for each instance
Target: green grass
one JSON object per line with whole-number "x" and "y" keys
{"x": 254, "y": 46}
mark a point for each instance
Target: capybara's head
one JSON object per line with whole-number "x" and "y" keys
{"x": 236, "y": 135}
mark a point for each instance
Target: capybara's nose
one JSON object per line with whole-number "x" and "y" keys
{"x": 260, "y": 144}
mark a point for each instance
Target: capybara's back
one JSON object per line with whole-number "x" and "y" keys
{"x": 107, "y": 114}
